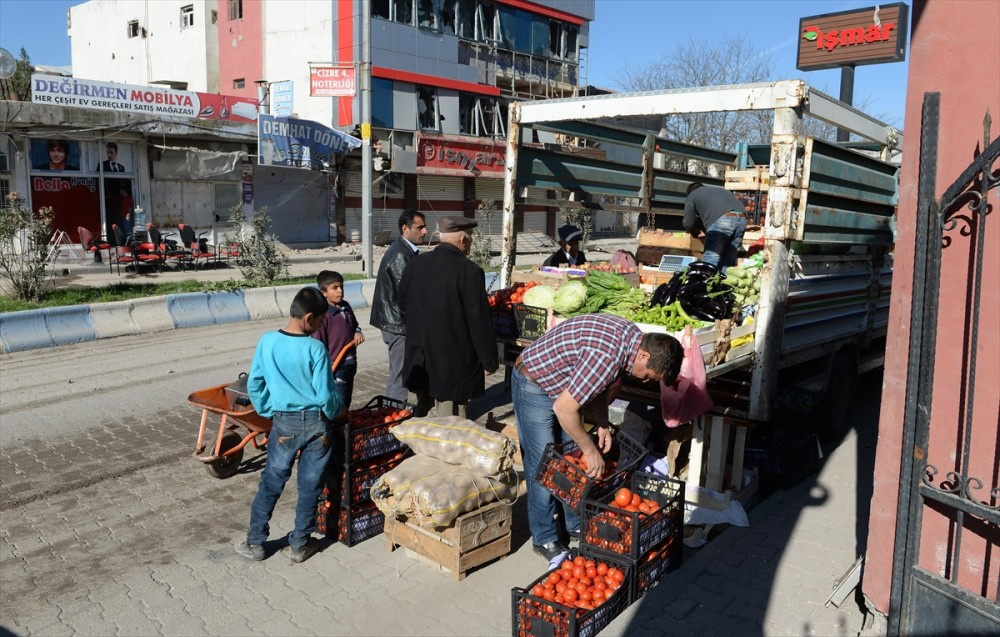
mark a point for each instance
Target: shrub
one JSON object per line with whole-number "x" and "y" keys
{"x": 259, "y": 257}
{"x": 24, "y": 248}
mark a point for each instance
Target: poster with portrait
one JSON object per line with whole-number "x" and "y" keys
{"x": 55, "y": 155}
{"x": 115, "y": 157}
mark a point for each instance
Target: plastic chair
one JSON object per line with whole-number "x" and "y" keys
{"x": 122, "y": 253}
{"x": 95, "y": 244}
{"x": 166, "y": 249}
{"x": 199, "y": 249}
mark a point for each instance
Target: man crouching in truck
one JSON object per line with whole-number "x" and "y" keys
{"x": 573, "y": 364}
{"x": 719, "y": 214}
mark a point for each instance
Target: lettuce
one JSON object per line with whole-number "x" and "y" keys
{"x": 540, "y": 296}
{"x": 570, "y": 297}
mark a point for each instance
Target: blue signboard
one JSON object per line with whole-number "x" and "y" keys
{"x": 281, "y": 99}
{"x": 299, "y": 143}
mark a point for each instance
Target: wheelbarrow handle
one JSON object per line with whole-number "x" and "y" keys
{"x": 340, "y": 356}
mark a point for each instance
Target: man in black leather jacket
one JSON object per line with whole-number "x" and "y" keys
{"x": 387, "y": 314}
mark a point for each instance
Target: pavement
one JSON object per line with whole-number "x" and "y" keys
{"x": 108, "y": 529}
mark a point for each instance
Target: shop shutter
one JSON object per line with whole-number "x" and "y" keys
{"x": 387, "y": 204}
{"x": 297, "y": 202}
{"x": 491, "y": 190}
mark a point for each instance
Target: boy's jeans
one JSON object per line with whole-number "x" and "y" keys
{"x": 291, "y": 432}
{"x": 536, "y": 427}
{"x": 724, "y": 239}
{"x": 343, "y": 380}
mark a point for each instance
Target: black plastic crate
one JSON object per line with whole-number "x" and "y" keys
{"x": 358, "y": 523}
{"x": 661, "y": 559}
{"x": 571, "y": 485}
{"x": 534, "y": 616}
{"x": 358, "y": 478}
{"x": 607, "y": 527}
{"x": 532, "y": 321}
{"x": 504, "y": 323}
{"x": 364, "y": 441}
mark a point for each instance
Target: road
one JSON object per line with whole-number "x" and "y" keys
{"x": 110, "y": 527}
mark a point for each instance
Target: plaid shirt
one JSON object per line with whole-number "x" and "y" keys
{"x": 583, "y": 355}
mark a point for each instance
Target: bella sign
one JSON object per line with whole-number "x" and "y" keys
{"x": 850, "y": 38}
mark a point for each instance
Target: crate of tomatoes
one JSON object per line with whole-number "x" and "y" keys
{"x": 358, "y": 478}
{"x": 562, "y": 470}
{"x": 660, "y": 560}
{"x": 502, "y": 310}
{"x": 367, "y": 429}
{"x": 577, "y": 598}
{"x": 635, "y": 518}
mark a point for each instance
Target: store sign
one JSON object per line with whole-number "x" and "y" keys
{"x": 282, "y": 98}
{"x": 849, "y": 38}
{"x": 299, "y": 143}
{"x": 459, "y": 156}
{"x": 108, "y": 96}
{"x": 332, "y": 81}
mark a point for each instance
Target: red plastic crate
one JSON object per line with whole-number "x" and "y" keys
{"x": 533, "y": 616}
{"x": 571, "y": 485}
{"x": 357, "y": 479}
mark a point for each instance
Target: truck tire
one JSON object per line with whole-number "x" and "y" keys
{"x": 838, "y": 395}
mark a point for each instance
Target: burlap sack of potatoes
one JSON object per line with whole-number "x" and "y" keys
{"x": 437, "y": 500}
{"x": 390, "y": 491}
{"x": 460, "y": 442}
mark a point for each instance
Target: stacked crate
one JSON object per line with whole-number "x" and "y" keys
{"x": 366, "y": 452}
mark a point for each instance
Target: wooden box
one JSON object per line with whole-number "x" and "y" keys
{"x": 472, "y": 540}
{"x": 756, "y": 178}
{"x": 555, "y": 279}
{"x": 681, "y": 241}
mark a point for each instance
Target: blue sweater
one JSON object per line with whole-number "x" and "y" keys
{"x": 291, "y": 372}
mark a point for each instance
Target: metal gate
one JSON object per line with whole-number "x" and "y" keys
{"x": 932, "y": 593}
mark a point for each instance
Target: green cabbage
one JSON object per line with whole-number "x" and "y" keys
{"x": 570, "y": 297}
{"x": 540, "y": 296}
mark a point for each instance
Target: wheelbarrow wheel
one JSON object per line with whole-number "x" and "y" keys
{"x": 226, "y": 467}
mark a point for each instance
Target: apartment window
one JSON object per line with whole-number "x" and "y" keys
{"x": 133, "y": 28}
{"x": 235, "y": 9}
{"x": 187, "y": 16}
{"x": 4, "y": 193}
{"x": 382, "y": 102}
{"x": 239, "y": 83}
{"x": 427, "y": 110}
{"x": 427, "y": 14}
{"x": 215, "y": 16}
{"x": 380, "y": 9}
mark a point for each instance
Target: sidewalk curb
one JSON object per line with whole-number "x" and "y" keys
{"x": 50, "y": 327}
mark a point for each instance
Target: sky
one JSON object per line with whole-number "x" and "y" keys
{"x": 624, "y": 32}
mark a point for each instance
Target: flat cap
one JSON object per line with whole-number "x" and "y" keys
{"x": 570, "y": 233}
{"x": 456, "y": 224}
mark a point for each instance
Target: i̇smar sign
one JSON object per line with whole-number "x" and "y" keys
{"x": 850, "y": 38}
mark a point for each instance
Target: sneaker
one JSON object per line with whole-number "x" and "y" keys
{"x": 253, "y": 552}
{"x": 550, "y": 551}
{"x": 302, "y": 554}
{"x": 574, "y": 536}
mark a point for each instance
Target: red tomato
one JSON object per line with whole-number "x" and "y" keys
{"x": 623, "y": 497}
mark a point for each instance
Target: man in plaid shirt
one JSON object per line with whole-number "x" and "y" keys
{"x": 572, "y": 365}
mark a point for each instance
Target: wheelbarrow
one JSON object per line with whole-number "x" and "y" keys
{"x": 231, "y": 402}
{"x": 224, "y": 457}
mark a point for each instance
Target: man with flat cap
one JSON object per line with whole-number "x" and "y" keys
{"x": 569, "y": 252}
{"x": 450, "y": 344}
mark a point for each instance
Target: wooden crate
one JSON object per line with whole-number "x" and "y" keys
{"x": 555, "y": 279}
{"x": 756, "y": 178}
{"x": 474, "y": 539}
{"x": 674, "y": 240}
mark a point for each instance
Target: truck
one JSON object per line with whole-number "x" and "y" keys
{"x": 826, "y": 214}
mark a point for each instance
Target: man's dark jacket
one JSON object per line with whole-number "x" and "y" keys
{"x": 449, "y": 331}
{"x": 387, "y": 313}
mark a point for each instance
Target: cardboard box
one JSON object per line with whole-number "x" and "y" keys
{"x": 555, "y": 279}
{"x": 674, "y": 240}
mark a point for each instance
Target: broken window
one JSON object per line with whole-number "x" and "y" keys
{"x": 541, "y": 36}
{"x": 448, "y": 8}
{"x": 380, "y": 9}
{"x": 427, "y": 14}
{"x": 402, "y": 11}
{"x": 427, "y": 111}
{"x": 570, "y": 50}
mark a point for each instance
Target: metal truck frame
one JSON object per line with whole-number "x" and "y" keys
{"x": 822, "y": 197}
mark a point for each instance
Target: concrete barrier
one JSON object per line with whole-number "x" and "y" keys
{"x": 261, "y": 303}
{"x": 20, "y": 331}
{"x": 353, "y": 294}
{"x": 151, "y": 315}
{"x": 113, "y": 319}
{"x": 70, "y": 324}
{"x": 228, "y": 307}
{"x": 283, "y": 296}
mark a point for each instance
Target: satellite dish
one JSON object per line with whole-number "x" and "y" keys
{"x": 7, "y": 64}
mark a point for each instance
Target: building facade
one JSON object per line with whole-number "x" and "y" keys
{"x": 443, "y": 74}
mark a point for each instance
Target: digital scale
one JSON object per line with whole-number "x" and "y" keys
{"x": 674, "y": 263}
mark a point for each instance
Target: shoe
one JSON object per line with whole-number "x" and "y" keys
{"x": 574, "y": 536}
{"x": 253, "y": 552}
{"x": 302, "y": 554}
{"x": 551, "y": 550}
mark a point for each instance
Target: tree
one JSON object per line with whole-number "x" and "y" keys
{"x": 24, "y": 248}
{"x": 20, "y": 81}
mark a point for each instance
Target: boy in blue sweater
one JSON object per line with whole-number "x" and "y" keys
{"x": 339, "y": 328}
{"x": 290, "y": 382}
